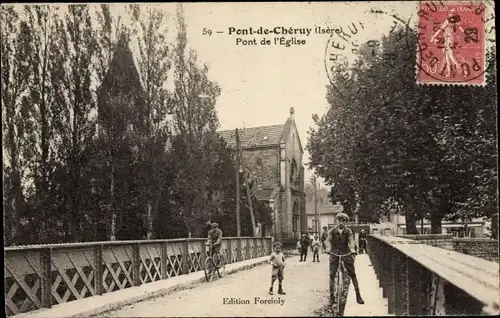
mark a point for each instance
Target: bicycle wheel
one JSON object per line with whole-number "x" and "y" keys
{"x": 209, "y": 269}
{"x": 340, "y": 291}
{"x": 345, "y": 282}
{"x": 335, "y": 294}
{"x": 221, "y": 265}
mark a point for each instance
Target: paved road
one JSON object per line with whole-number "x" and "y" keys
{"x": 306, "y": 285}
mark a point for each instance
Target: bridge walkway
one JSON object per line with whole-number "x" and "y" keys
{"x": 245, "y": 293}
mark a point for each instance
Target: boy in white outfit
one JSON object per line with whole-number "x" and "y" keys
{"x": 315, "y": 247}
{"x": 277, "y": 259}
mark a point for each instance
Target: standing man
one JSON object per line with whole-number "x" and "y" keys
{"x": 362, "y": 242}
{"x": 340, "y": 241}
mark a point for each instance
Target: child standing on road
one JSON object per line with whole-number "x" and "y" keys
{"x": 315, "y": 247}
{"x": 277, "y": 259}
{"x": 304, "y": 243}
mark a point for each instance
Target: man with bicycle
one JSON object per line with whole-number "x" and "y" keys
{"x": 214, "y": 240}
{"x": 340, "y": 241}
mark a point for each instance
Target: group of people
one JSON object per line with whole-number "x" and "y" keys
{"x": 338, "y": 242}
{"x": 315, "y": 242}
{"x": 303, "y": 246}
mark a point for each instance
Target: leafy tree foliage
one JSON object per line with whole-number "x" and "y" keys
{"x": 98, "y": 145}
{"x": 154, "y": 64}
{"x": 386, "y": 141}
{"x": 15, "y": 110}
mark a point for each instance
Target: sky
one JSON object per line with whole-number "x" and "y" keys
{"x": 260, "y": 83}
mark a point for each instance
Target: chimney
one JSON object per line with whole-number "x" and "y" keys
{"x": 292, "y": 111}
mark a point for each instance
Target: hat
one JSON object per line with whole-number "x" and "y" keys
{"x": 343, "y": 216}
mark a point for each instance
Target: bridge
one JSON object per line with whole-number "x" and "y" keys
{"x": 159, "y": 278}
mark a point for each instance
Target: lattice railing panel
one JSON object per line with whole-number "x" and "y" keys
{"x": 244, "y": 254}
{"x": 230, "y": 249}
{"x": 23, "y": 274}
{"x": 224, "y": 251}
{"x": 234, "y": 246}
{"x": 150, "y": 266}
{"x": 72, "y": 275}
{"x": 174, "y": 259}
{"x": 196, "y": 250}
{"x": 22, "y": 295}
{"x": 117, "y": 267}
{"x": 251, "y": 248}
{"x": 234, "y": 251}
{"x": 261, "y": 248}
{"x": 257, "y": 248}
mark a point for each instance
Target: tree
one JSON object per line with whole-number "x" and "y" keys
{"x": 469, "y": 139}
{"x": 75, "y": 104}
{"x": 15, "y": 79}
{"x": 386, "y": 141}
{"x": 194, "y": 124}
{"x": 109, "y": 31}
{"x": 122, "y": 121}
{"x": 39, "y": 43}
{"x": 154, "y": 65}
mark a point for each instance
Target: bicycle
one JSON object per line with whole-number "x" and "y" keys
{"x": 341, "y": 285}
{"x": 214, "y": 263}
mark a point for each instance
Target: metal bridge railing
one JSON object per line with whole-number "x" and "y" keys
{"x": 41, "y": 276}
{"x": 419, "y": 279}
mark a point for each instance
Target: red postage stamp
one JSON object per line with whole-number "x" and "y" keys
{"x": 451, "y": 43}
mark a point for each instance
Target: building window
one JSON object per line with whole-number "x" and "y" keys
{"x": 293, "y": 170}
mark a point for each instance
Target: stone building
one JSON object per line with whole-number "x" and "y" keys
{"x": 273, "y": 154}
{"x": 326, "y": 215}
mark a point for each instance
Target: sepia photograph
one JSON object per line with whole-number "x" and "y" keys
{"x": 250, "y": 159}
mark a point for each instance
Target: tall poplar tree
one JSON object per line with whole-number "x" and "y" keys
{"x": 15, "y": 112}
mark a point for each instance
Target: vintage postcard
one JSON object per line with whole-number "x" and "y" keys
{"x": 250, "y": 159}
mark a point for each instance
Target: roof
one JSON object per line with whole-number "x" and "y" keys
{"x": 122, "y": 58}
{"x": 138, "y": 69}
{"x": 286, "y": 131}
{"x": 255, "y": 136}
{"x": 262, "y": 136}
